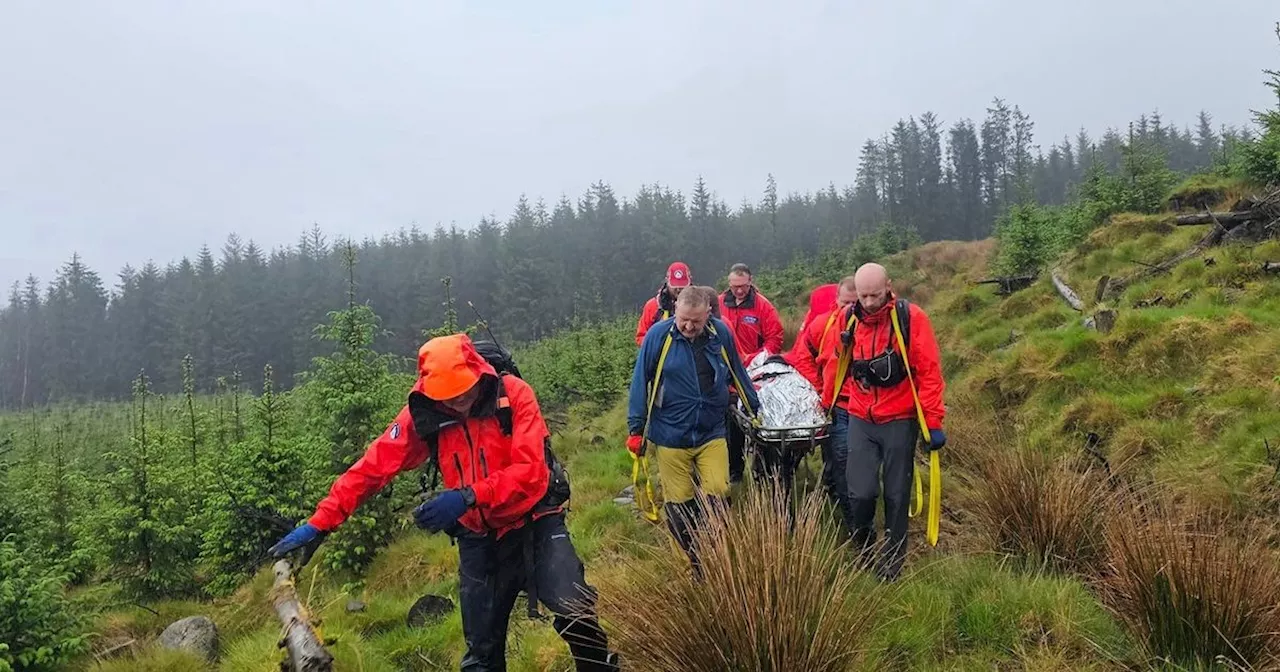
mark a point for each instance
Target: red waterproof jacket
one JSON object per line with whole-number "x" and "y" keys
{"x": 508, "y": 474}
{"x": 804, "y": 354}
{"x": 656, "y": 309}
{"x": 755, "y": 324}
{"x": 872, "y": 335}
{"x": 821, "y": 300}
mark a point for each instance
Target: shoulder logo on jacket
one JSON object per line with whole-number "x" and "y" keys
{"x": 395, "y": 430}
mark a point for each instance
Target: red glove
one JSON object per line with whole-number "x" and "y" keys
{"x": 634, "y": 443}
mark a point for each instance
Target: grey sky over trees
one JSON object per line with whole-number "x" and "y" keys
{"x": 139, "y": 130}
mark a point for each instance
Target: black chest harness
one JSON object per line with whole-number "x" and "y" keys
{"x": 887, "y": 369}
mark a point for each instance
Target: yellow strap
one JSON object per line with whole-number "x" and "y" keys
{"x": 639, "y": 467}
{"x": 737, "y": 383}
{"x": 640, "y": 463}
{"x": 831, "y": 319}
{"x": 842, "y": 364}
{"x": 935, "y": 470}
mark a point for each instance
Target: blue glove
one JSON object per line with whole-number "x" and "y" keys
{"x": 300, "y": 536}
{"x": 440, "y": 511}
{"x": 937, "y": 439}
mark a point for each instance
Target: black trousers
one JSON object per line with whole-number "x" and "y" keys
{"x": 872, "y": 448}
{"x": 491, "y": 574}
{"x": 736, "y": 441}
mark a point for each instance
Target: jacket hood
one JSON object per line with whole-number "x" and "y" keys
{"x": 449, "y": 366}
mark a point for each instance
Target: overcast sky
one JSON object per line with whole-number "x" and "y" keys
{"x": 140, "y": 129}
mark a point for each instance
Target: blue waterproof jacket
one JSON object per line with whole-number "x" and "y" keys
{"x": 682, "y": 416}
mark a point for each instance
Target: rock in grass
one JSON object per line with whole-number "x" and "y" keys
{"x": 428, "y": 608}
{"x": 354, "y": 606}
{"x": 196, "y": 634}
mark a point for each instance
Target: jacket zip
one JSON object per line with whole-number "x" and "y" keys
{"x": 472, "y": 450}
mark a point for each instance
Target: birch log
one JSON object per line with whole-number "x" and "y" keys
{"x": 306, "y": 653}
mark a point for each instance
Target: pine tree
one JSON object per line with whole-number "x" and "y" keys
{"x": 997, "y": 148}
{"x": 965, "y": 161}
{"x": 268, "y": 474}
{"x": 770, "y": 206}
{"x": 349, "y": 390}
{"x": 145, "y": 529}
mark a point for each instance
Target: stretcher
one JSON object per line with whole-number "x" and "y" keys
{"x": 777, "y": 449}
{"x": 777, "y": 452}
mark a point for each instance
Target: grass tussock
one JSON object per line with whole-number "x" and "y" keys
{"x": 1038, "y": 509}
{"x": 1192, "y": 592}
{"x": 1207, "y": 191}
{"x": 772, "y": 597}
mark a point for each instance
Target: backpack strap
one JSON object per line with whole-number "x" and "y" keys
{"x": 842, "y": 362}
{"x": 903, "y": 309}
{"x": 503, "y": 412}
{"x": 724, "y": 354}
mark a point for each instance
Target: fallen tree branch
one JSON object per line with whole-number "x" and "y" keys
{"x": 103, "y": 654}
{"x": 1067, "y": 293}
{"x": 1223, "y": 218}
{"x": 1009, "y": 284}
{"x": 306, "y": 653}
{"x": 1210, "y": 239}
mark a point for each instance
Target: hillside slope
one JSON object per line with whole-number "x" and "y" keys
{"x": 1181, "y": 393}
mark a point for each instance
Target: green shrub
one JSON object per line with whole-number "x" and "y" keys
{"x": 38, "y": 629}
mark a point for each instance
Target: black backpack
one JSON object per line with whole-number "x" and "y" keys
{"x": 501, "y": 360}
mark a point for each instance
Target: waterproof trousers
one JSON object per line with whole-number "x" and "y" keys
{"x": 677, "y": 468}
{"x": 835, "y": 457}
{"x": 737, "y": 443}
{"x": 881, "y": 454}
{"x": 493, "y": 571}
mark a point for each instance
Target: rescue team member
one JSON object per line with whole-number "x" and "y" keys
{"x": 663, "y": 305}
{"x": 489, "y": 446}
{"x": 820, "y": 301}
{"x": 807, "y": 358}
{"x": 692, "y": 358}
{"x": 756, "y": 326}
{"x": 882, "y": 424}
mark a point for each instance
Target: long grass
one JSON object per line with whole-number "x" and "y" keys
{"x": 773, "y": 597}
{"x": 1042, "y": 512}
{"x": 1192, "y": 592}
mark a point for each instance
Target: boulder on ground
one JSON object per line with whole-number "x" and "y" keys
{"x": 196, "y": 634}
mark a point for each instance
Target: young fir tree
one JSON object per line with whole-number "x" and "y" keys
{"x": 145, "y": 529}
{"x": 349, "y": 389}
{"x": 189, "y": 400}
{"x": 267, "y": 475}
{"x": 60, "y": 488}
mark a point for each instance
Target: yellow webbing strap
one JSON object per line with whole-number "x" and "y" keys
{"x": 831, "y": 319}
{"x": 935, "y": 469}
{"x": 842, "y": 364}
{"x": 736, "y": 383}
{"x": 640, "y": 463}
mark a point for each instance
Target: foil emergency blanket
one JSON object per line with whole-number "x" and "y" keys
{"x": 787, "y": 399}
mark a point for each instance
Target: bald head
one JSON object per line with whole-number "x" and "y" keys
{"x": 872, "y": 283}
